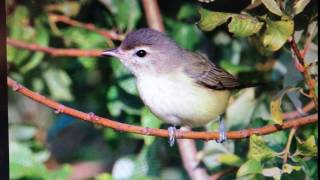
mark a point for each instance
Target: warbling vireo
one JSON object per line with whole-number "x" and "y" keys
{"x": 179, "y": 87}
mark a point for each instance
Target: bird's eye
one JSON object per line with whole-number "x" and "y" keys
{"x": 141, "y": 53}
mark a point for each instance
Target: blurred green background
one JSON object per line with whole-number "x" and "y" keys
{"x": 49, "y": 145}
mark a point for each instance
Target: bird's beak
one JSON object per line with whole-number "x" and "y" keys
{"x": 111, "y": 52}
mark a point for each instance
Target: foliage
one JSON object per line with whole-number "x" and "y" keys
{"x": 250, "y": 42}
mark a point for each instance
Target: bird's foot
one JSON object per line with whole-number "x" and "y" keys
{"x": 172, "y": 135}
{"x": 222, "y": 132}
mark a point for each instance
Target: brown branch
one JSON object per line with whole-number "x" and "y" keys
{"x": 90, "y": 117}
{"x": 152, "y": 11}
{"x": 306, "y": 75}
{"x": 295, "y": 114}
{"x": 188, "y": 152}
{"x": 54, "y": 51}
{"x": 89, "y": 26}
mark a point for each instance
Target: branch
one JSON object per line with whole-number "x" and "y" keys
{"x": 188, "y": 151}
{"x": 286, "y": 151}
{"x": 153, "y": 15}
{"x": 307, "y": 77}
{"x": 55, "y": 51}
{"x": 92, "y": 118}
{"x": 89, "y": 26}
{"x": 295, "y": 114}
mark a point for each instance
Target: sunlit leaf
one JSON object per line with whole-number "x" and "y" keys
{"x": 307, "y": 148}
{"x": 230, "y": 159}
{"x": 238, "y": 114}
{"x": 258, "y": 150}
{"x": 275, "y": 105}
{"x": 272, "y": 6}
{"x": 288, "y": 168}
{"x": 210, "y": 19}
{"x": 250, "y": 167}
{"x": 68, "y": 8}
{"x": 240, "y": 25}
{"x": 59, "y": 83}
{"x": 277, "y": 33}
{"x": 104, "y": 176}
{"x": 299, "y": 6}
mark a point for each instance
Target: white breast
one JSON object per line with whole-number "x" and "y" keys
{"x": 177, "y": 100}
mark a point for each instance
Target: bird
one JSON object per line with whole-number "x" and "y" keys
{"x": 180, "y": 87}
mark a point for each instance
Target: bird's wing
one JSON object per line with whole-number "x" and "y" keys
{"x": 205, "y": 73}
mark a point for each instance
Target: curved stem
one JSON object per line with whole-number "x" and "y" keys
{"x": 54, "y": 51}
{"x": 92, "y": 118}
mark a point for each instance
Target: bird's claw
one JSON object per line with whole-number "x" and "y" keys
{"x": 222, "y": 132}
{"x": 172, "y": 135}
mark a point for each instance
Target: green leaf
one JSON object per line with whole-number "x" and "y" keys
{"x": 127, "y": 13}
{"x": 258, "y": 150}
{"x": 250, "y": 167}
{"x": 240, "y": 25}
{"x": 288, "y": 168}
{"x": 230, "y": 159}
{"x": 179, "y": 31}
{"x": 239, "y": 113}
{"x": 209, "y": 20}
{"x": 19, "y": 18}
{"x": 104, "y": 176}
{"x": 277, "y": 33}
{"x": 272, "y": 6}
{"x": 124, "y": 77}
{"x": 275, "y": 105}
{"x": 113, "y": 104}
{"x": 42, "y": 38}
{"x": 59, "y": 83}
{"x": 186, "y": 11}
{"x": 68, "y": 8}
{"x": 307, "y": 148}
{"x": 233, "y": 68}
{"x": 151, "y": 121}
{"x": 299, "y": 6}
{"x": 243, "y": 26}
{"x": 62, "y": 173}
{"x": 22, "y": 162}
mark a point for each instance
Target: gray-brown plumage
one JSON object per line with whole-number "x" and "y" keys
{"x": 180, "y": 87}
{"x": 207, "y": 74}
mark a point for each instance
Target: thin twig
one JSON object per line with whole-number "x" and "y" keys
{"x": 286, "y": 150}
{"x": 154, "y": 18}
{"x": 92, "y": 118}
{"x": 188, "y": 152}
{"x": 89, "y": 26}
{"x": 54, "y": 51}
{"x": 307, "y": 76}
{"x": 295, "y": 114}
